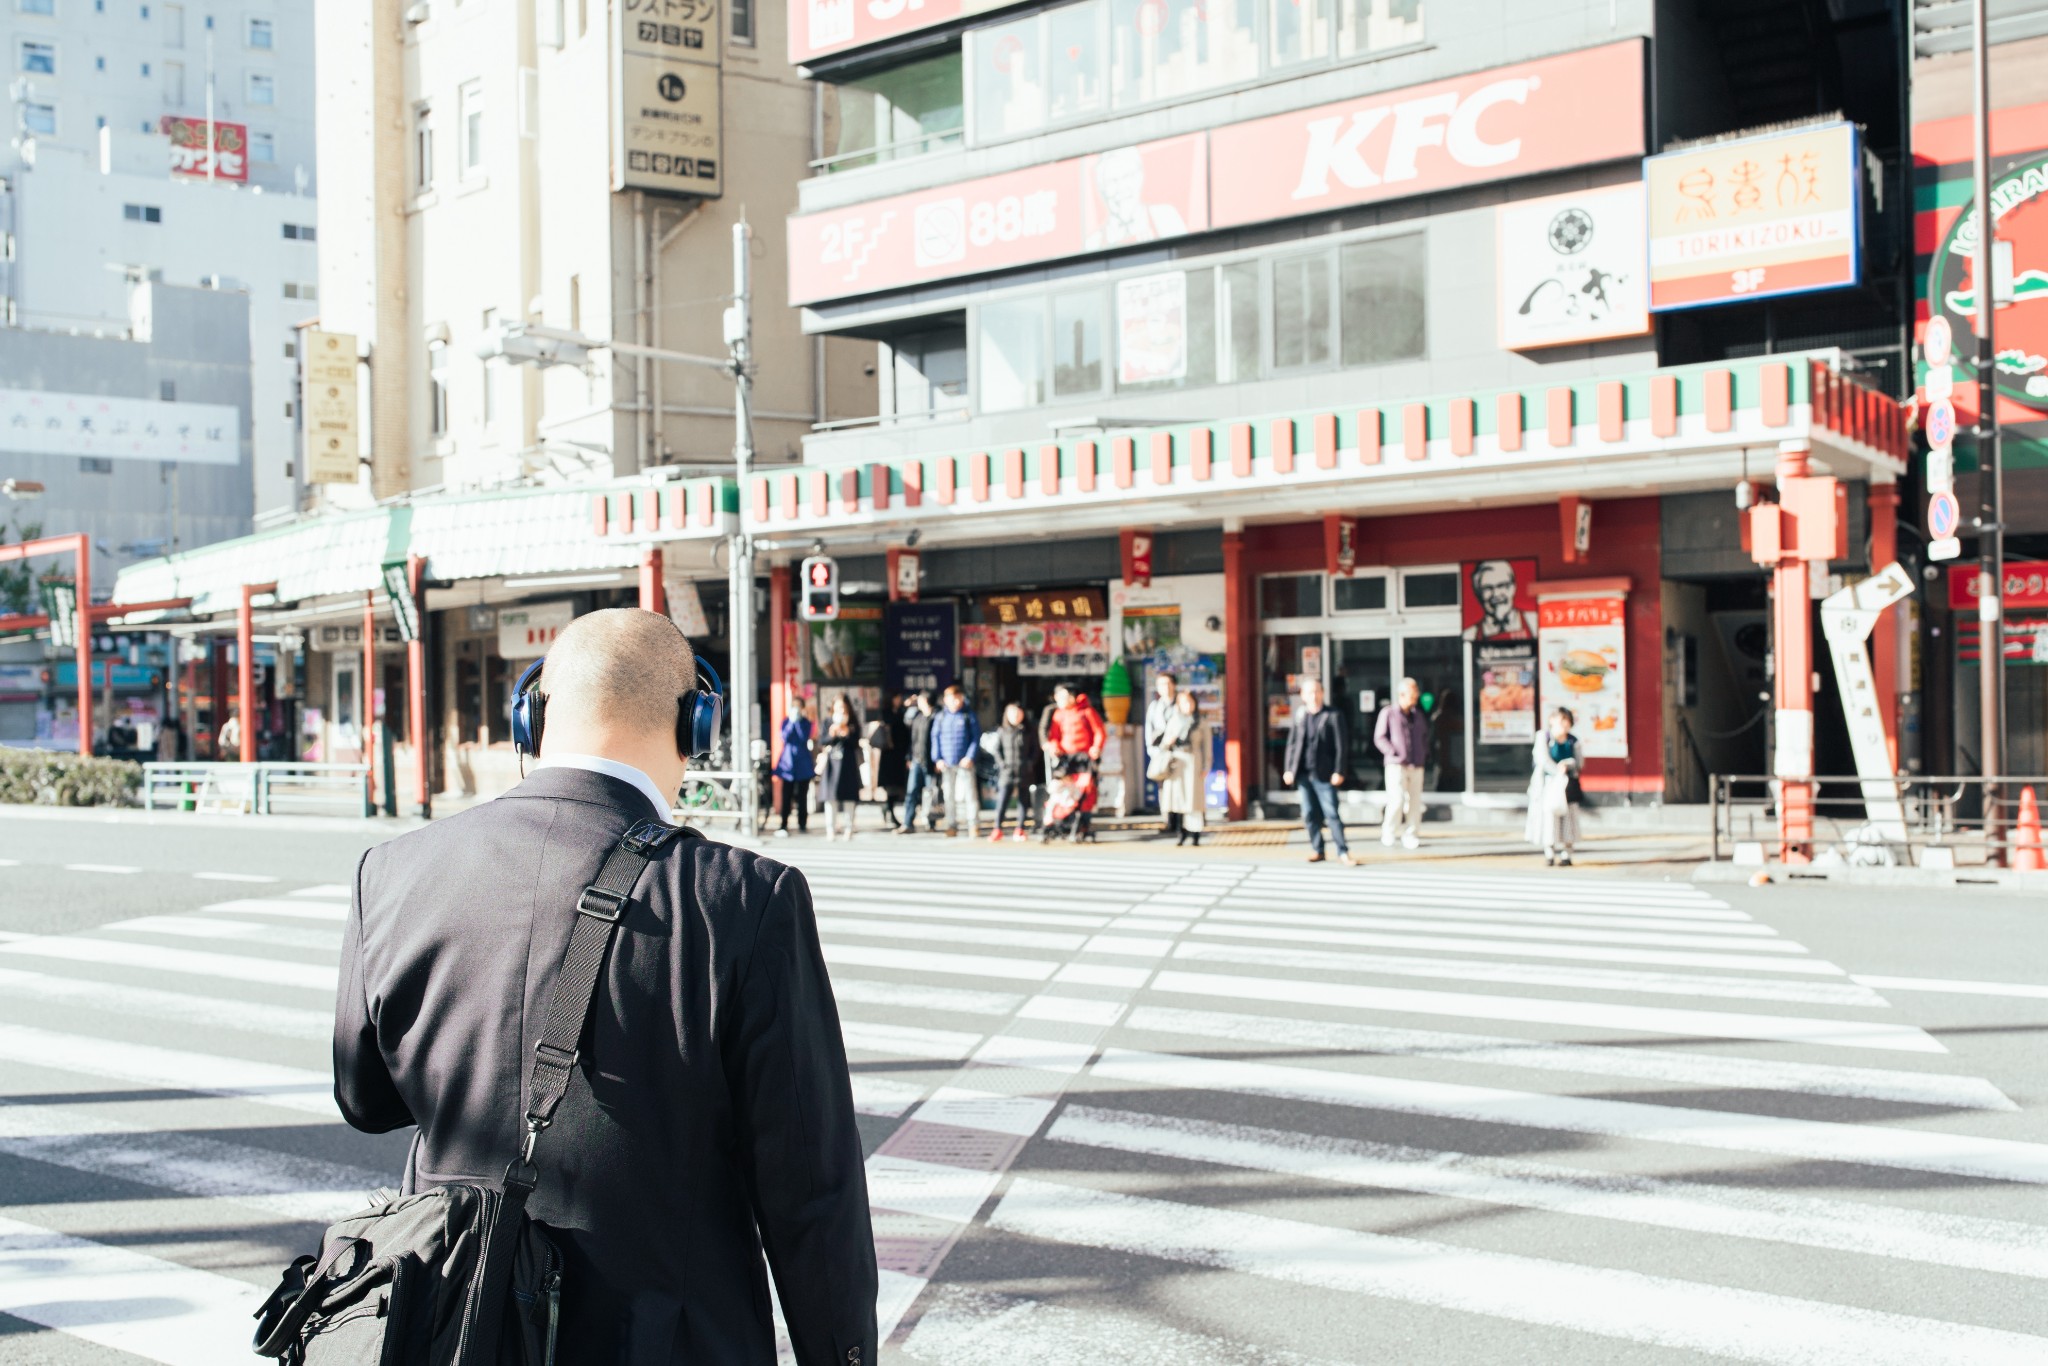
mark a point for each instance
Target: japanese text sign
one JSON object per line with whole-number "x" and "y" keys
{"x": 2026, "y": 586}
{"x": 1774, "y": 214}
{"x": 666, "y": 127}
{"x": 1131, "y": 195}
{"x": 35, "y": 422}
{"x": 921, "y": 642}
{"x": 1036, "y": 609}
{"x": 228, "y": 160}
{"x": 1583, "y": 668}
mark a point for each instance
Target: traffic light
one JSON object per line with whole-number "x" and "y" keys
{"x": 820, "y": 592}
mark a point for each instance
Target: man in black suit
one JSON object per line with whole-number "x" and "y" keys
{"x": 710, "y": 1116}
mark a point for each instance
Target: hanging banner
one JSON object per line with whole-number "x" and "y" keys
{"x": 190, "y": 158}
{"x": 328, "y": 398}
{"x": 1779, "y": 213}
{"x": 1152, "y": 328}
{"x": 1572, "y": 268}
{"x": 666, "y": 122}
{"x": 922, "y": 641}
{"x": 1137, "y": 556}
{"x": 1582, "y": 643}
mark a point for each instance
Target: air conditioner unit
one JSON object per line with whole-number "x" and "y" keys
{"x": 416, "y": 13}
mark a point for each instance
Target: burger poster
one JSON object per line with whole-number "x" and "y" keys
{"x": 1581, "y": 646}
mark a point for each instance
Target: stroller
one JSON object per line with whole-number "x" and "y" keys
{"x": 1069, "y": 800}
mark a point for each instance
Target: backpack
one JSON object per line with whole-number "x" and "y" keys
{"x": 458, "y": 1275}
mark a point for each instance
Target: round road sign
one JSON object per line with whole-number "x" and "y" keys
{"x": 1939, "y": 343}
{"x": 1941, "y": 422}
{"x": 1942, "y": 515}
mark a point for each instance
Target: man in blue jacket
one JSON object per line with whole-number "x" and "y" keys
{"x": 956, "y": 739}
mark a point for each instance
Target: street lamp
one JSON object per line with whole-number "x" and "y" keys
{"x": 523, "y": 343}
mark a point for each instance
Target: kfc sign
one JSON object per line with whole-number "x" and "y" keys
{"x": 228, "y": 159}
{"x": 1147, "y": 193}
{"x": 1573, "y": 110}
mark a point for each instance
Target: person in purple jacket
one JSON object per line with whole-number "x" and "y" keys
{"x": 1402, "y": 738}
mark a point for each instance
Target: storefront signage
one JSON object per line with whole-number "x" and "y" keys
{"x": 328, "y": 391}
{"x": 1582, "y": 643}
{"x": 1573, "y": 268}
{"x": 1497, "y": 599}
{"x": 1137, "y": 556}
{"x": 820, "y": 27}
{"x": 2026, "y": 586}
{"x": 228, "y": 158}
{"x": 848, "y": 648}
{"x": 1780, "y": 213}
{"x": 666, "y": 124}
{"x": 922, "y": 641}
{"x": 1497, "y": 607}
{"x": 1031, "y": 609}
{"x": 906, "y": 573}
{"x": 100, "y": 426}
{"x": 1152, "y": 328}
{"x": 526, "y": 630}
{"x": 1570, "y": 110}
{"x": 1070, "y": 648}
{"x": 2019, "y": 206}
{"x": 1147, "y": 193}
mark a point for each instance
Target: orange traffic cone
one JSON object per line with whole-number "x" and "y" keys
{"x": 2026, "y": 835}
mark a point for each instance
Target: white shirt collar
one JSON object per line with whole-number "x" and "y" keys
{"x": 611, "y": 768}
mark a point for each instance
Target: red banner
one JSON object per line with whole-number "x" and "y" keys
{"x": 1147, "y": 193}
{"x": 1572, "y": 110}
{"x": 229, "y": 159}
{"x": 2026, "y": 586}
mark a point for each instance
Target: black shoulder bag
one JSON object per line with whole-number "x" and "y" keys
{"x": 458, "y": 1275}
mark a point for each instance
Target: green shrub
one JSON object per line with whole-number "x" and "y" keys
{"x": 42, "y": 777}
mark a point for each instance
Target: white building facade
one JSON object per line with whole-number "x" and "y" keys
{"x": 108, "y": 179}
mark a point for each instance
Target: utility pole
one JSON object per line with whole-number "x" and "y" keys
{"x": 739, "y": 339}
{"x": 211, "y": 135}
{"x": 1990, "y": 481}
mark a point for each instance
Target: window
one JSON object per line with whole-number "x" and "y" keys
{"x": 1075, "y": 86}
{"x": 174, "y": 83}
{"x": 142, "y": 213}
{"x": 743, "y": 22}
{"x": 1368, "y": 26}
{"x": 1077, "y": 344}
{"x": 289, "y": 409}
{"x": 145, "y": 68}
{"x": 902, "y": 112}
{"x": 300, "y": 232}
{"x": 174, "y": 26}
{"x": 36, "y": 6}
{"x": 437, "y": 388}
{"x": 99, "y": 64}
{"x": 490, "y": 386}
{"x": 1300, "y": 31}
{"x": 1011, "y": 355}
{"x": 262, "y": 88}
{"x": 300, "y": 289}
{"x": 39, "y": 59}
{"x": 1381, "y": 305}
{"x": 1238, "y": 322}
{"x": 1359, "y": 593}
{"x": 39, "y": 118}
{"x": 1301, "y": 311}
{"x": 261, "y": 35}
{"x": 263, "y": 147}
{"x": 1166, "y": 330}
{"x": 1429, "y": 588}
{"x": 929, "y": 372}
{"x": 291, "y": 349}
{"x": 1282, "y": 596}
{"x": 93, "y": 464}
{"x": 422, "y": 148}
{"x": 1009, "y": 89}
{"x": 1165, "y": 49}
{"x": 472, "y": 129}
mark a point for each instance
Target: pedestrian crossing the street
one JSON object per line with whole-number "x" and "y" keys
{"x": 1124, "y": 1108}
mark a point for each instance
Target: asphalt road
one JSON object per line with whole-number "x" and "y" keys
{"x": 1125, "y": 1107}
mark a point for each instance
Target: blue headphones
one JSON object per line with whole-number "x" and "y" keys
{"x": 698, "y": 713}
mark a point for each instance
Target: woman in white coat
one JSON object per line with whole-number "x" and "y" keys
{"x": 1184, "y": 743}
{"x": 1553, "y": 789}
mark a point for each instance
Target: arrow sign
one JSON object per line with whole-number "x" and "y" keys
{"x": 1847, "y": 619}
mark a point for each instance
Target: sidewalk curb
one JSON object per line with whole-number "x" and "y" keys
{"x": 128, "y": 815}
{"x": 1842, "y": 875}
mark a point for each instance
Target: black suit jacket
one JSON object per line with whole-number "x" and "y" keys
{"x": 711, "y": 1115}
{"x": 1315, "y": 745}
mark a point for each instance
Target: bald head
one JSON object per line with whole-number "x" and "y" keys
{"x": 617, "y": 672}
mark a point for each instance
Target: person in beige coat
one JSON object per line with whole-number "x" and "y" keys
{"x": 1184, "y": 741}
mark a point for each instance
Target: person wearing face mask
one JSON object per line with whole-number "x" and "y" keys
{"x": 1554, "y": 794}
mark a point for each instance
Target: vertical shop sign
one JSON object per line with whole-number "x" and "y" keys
{"x": 1572, "y": 268}
{"x": 922, "y": 645}
{"x": 1152, "y": 328}
{"x": 1137, "y": 556}
{"x": 1583, "y": 648}
{"x": 1497, "y": 606}
{"x": 328, "y": 396}
{"x": 666, "y": 125}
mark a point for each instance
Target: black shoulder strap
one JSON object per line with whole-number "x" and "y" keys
{"x": 598, "y": 912}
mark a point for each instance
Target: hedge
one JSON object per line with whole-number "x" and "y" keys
{"x": 42, "y": 777}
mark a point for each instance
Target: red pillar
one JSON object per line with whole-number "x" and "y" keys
{"x": 366, "y": 693}
{"x": 1792, "y": 645}
{"x": 82, "y": 552}
{"x": 416, "y": 688}
{"x": 651, "y": 598}
{"x": 1242, "y": 741}
{"x": 778, "y": 664}
{"x": 245, "y": 666}
{"x": 1884, "y": 639}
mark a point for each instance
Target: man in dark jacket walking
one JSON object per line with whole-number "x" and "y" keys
{"x": 918, "y": 716}
{"x": 709, "y": 1116}
{"x": 1316, "y": 759}
{"x": 1401, "y": 735}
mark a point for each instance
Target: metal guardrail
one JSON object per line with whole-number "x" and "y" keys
{"x": 709, "y": 796}
{"x": 261, "y": 789}
{"x": 1956, "y": 822}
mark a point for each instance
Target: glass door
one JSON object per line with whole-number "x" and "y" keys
{"x": 1437, "y": 663}
{"x": 1361, "y": 682}
{"x": 1287, "y": 659}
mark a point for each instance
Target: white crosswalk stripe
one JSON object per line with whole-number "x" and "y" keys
{"x": 1166, "y": 1069}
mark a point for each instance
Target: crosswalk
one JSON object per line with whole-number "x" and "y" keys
{"x": 1132, "y": 1109}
